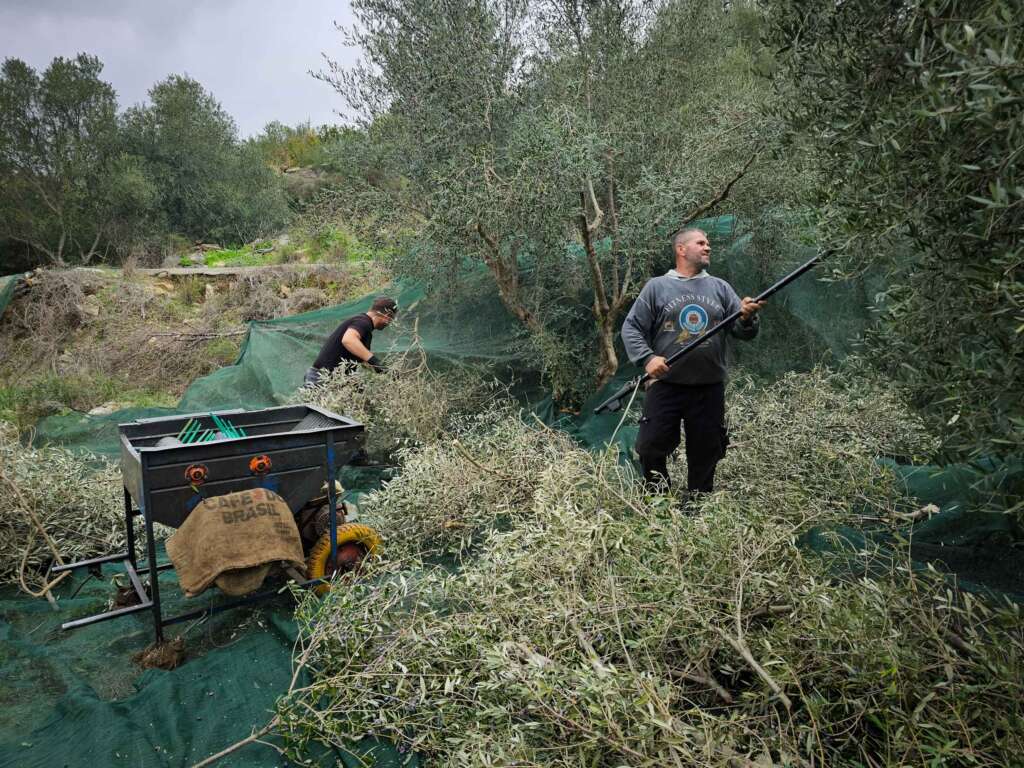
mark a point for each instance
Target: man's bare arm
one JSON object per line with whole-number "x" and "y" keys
{"x": 353, "y": 342}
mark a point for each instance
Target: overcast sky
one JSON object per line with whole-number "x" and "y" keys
{"x": 253, "y": 55}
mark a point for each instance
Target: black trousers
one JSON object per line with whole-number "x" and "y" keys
{"x": 700, "y": 410}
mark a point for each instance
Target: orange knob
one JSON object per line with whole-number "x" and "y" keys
{"x": 196, "y": 474}
{"x": 259, "y": 465}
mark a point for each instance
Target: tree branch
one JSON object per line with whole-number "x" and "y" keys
{"x": 42, "y": 193}
{"x": 600, "y": 297}
{"x": 741, "y": 648}
{"x": 617, "y": 287}
{"x": 33, "y": 244}
{"x": 507, "y": 278}
{"x": 200, "y": 335}
{"x": 612, "y": 211}
{"x": 598, "y": 213}
{"x": 722, "y": 193}
{"x": 704, "y": 677}
{"x": 627, "y": 279}
{"x": 60, "y": 245}
{"x": 87, "y": 256}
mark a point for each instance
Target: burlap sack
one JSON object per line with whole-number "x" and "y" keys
{"x": 233, "y": 540}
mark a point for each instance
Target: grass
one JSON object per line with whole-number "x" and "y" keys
{"x": 245, "y": 256}
{"x": 58, "y": 356}
{"x": 332, "y": 244}
{"x": 338, "y": 244}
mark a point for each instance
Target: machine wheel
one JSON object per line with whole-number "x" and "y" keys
{"x": 355, "y": 542}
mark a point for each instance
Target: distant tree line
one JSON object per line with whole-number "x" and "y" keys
{"x": 81, "y": 182}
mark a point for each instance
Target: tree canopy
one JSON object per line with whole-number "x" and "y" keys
{"x": 210, "y": 184}
{"x": 79, "y": 181}
{"x": 914, "y": 113}
{"x": 58, "y": 153}
{"x": 561, "y": 144}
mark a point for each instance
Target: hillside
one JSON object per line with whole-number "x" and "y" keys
{"x": 87, "y": 339}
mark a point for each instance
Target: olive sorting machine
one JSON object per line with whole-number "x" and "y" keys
{"x": 292, "y": 450}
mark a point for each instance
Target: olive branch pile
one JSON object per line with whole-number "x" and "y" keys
{"x": 592, "y": 624}
{"x": 58, "y": 507}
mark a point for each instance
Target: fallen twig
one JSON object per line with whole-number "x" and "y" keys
{"x": 742, "y": 649}
{"x": 704, "y": 679}
{"x": 210, "y": 335}
{"x": 465, "y": 454}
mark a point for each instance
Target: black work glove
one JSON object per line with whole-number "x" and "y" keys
{"x": 375, "y": 363}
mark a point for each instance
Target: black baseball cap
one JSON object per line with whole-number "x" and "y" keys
{"x": 385, "y": 305}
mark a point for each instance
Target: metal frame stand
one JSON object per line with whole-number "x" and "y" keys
{"x": 151, "y": 600}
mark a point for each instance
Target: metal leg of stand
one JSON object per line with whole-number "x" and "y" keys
{"x": 332, "y": 500}
{"x": 154, "y": 574}
{"x": 129, "y": 528}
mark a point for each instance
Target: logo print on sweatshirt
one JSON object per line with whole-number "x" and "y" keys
{"x": 693, "y": 318}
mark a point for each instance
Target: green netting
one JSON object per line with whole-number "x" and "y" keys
{"x": 810, "y": 321}
{"x": 75, "y": 698}
{"x": 7, "y": 285}
{"x": 68, "y": 695}
{"x": 966, "y": 538}
{"x": 276, "y": 353}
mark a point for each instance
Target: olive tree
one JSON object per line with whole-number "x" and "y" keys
{"x": 560, "y": 143}
{"x": 67, "y": 191}
{"x": 914, "y": 113}
{"x": 210, "y": 184}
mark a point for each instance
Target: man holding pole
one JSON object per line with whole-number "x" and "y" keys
{"x": 671, "y": 311}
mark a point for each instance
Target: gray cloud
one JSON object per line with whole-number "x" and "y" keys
{"x": 253, "y": 55}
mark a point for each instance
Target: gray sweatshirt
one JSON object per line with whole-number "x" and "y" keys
{"x": 670, "y": 311}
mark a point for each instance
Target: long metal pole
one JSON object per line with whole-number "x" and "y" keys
{"x": 614, "y": 402}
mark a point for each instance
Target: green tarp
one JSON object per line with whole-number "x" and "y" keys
{"x": 8, "y": 283}
{"x": 276, "y": 353}
{"x": 76, "y": 699}
{"x": 965, "y": 536}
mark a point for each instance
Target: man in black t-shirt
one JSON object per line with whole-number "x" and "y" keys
{"x": 349, "y": 344}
